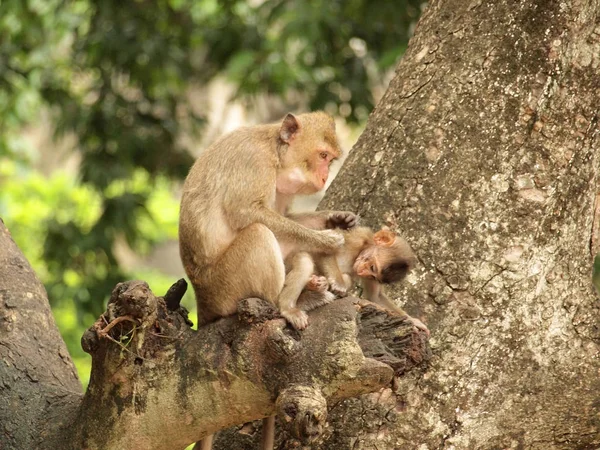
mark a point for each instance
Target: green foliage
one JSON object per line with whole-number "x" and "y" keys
{"x": 58, "y": 215}
{"x": 331, "y": 51}
{"x": 117, "y": 76}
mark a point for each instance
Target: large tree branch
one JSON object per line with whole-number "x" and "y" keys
{"x": 158, "y": 384}
{"x": 38, "y": 381}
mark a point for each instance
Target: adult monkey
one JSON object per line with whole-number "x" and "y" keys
{"x": 233, "y": 235}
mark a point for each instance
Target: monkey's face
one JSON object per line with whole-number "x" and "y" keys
{"x": 311, "y": 148}
{"x": 388, "y": 260}
{"x": 308, "y": 176}
{"x": 365, "y": 265}
{"x": 318, "y": 165}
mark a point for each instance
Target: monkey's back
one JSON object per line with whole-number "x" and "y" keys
{"x": 230, "y": 174}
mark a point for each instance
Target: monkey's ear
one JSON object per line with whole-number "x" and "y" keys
{"x": 289, "y": 128}
{"x": 384, "y": 238}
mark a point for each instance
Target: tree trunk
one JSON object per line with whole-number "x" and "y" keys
{"x": 484, "y": 153}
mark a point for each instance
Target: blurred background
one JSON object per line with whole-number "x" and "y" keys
{"x": 105, "y": 104}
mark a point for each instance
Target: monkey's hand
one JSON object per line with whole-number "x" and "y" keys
{"x": 330, "y": 240}
{"x": 296, "y": 317}
{"x": 317, "y": 283}
{"x": 419, "y": 325}
{"x": 344, "y": 220}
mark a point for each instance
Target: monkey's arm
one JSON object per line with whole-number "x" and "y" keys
{"x": 285, "y": 229}
{"x": 374, "y": 293}
{"x": 321, "y": 220}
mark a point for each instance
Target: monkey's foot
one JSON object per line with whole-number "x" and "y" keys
{"x": 317, "y": 283}
{"x": 339, "y": 289}
{"x": 310, "y": 300}
{"x": 297, "y": 318}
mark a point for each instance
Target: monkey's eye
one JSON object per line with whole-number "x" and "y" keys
{"x": 373, "y": 269}
{"x": 323, "y": 155}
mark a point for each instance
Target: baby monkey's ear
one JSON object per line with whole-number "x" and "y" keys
{"x": 384, "y": 237}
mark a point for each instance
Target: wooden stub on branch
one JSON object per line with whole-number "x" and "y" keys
{"x": 391, "y": 339}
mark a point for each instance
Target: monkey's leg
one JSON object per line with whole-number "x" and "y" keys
{"x": 252, "y": 266}
{"x": 302, "y": 267}
{"x": 267, "y": 440}
{"x": 310, "y": 300}
{"x": 204, "y": 444}
{"x": 373, "y": 292}
{"x": 315, "y": 294}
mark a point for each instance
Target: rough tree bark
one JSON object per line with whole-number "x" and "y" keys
{"x": 484, "y": 154}
{"x": 157, "y": 384}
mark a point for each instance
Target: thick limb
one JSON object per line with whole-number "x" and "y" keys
{"x": 300, "y": 237}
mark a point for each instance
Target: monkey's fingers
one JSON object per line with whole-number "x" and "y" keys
{"x": 317, "y": 283}
{"x": 352, "y": 220}
{"x": 420, "y": 325}
{"x": 344, "y": 220}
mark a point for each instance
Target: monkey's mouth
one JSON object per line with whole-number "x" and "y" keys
{"x": 359, "y": 264}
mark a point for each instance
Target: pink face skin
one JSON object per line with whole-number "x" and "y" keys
{"x": 373, "y": 259}
{"x": 324, "y": 160}
{"x": 309, "y": 181}
{"x": 365, "y": 265}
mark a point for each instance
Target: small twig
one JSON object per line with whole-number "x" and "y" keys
{"x": 165, "y": 336}
{"x": 104, "y": 332}
{"x": 123, "y": 347}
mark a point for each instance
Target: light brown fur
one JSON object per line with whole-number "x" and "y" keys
{"x": 233, "y": 233}
{"x": 370, "y": 258}
{"x": 362, "y": 250}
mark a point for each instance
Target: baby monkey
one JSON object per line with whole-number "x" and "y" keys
{"x": 372, "y": 258}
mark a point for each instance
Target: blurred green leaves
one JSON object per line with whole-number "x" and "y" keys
{"x": 328, "y": 53}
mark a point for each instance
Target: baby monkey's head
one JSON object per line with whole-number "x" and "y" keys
{"x": 388, "y": 260}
